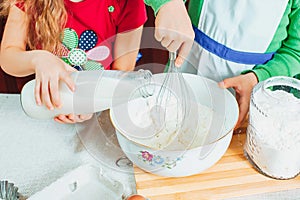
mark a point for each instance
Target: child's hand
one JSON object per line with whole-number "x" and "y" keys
{"x": 72, "y": 119}
{"x": 243, "y": 85}
{"x": 173, "y": 28}
{"x": 49, "y": 70}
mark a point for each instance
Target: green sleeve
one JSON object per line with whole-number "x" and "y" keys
{"x": 156, "y": 4}
{"x": 286, "y": 61}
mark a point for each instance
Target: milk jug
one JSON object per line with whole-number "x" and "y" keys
{"x": 94, "y": 91}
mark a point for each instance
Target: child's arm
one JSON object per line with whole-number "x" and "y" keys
{"x": 286, "y": 62}
{"x": 15, "y": 60}
{"x": 126, "y": 49}
{"x": 173, "y": 27}
{"x": 243, "y": 85}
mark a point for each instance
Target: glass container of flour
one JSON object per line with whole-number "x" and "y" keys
{"x": 273, "y": 134}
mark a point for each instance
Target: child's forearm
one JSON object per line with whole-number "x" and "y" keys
{"x": 126, "y": 62}
{"x": 21, "y": 63}
{"x": 17, "y": 62}
{"x": 126, "y": 48}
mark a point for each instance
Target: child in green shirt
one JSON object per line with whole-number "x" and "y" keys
{"x": 238, "y": 43}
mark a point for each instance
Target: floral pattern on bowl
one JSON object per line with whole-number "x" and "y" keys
{"x": 155, "y": 160}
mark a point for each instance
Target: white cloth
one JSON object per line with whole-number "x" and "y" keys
{"x": 247, "y": 25}
{"x": 35, "y": 153}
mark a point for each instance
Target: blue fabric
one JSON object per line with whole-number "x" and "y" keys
{"x": 88, "y": 40}
{"x": 78, "y": 68}
{"x": 139, "y": 56}
{"x": 229, "y": 54}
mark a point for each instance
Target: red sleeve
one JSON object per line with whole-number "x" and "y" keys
{"x": 132, "y": 15}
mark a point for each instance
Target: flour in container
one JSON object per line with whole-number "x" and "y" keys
{"x": 273, "y": 136}
{"x": 281, "y": 130}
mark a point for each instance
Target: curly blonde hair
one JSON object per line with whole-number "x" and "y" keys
{"x": 46, "y": 20}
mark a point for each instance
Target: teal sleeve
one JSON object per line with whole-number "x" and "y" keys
{"x": 286, "y": 61}
{"x": 156, "y": 4}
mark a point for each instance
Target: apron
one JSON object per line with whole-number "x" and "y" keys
{"x": 232, "y": 36}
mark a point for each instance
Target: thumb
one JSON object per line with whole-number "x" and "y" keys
{"x": 229, "y": 82}
{"x": 179, "y": 61}
{"x": 183, "y": 52}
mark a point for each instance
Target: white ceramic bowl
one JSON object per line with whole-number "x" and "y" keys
{"x": 191, "y": 160}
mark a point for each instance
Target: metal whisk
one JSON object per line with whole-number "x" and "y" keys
{"x": 172, "y": 96}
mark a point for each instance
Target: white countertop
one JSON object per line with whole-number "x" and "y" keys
{"x": 35, "y": 153}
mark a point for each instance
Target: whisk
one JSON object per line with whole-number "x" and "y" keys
{"x": 172, "y": 96}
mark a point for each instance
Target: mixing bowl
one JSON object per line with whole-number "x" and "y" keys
{"x": 188, "y": 151}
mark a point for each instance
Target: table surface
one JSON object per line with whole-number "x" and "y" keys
{"x": 35, "y": 153}
{"x": 232, "y": 177}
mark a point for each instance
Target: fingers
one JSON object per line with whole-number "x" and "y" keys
{"x": 242, "y": 89}
{"x": 54, "y": 92}
{"x": 183, "y": 52}
{"x": 45, "y": 93}
{"x": 165, "y": 42}
{"x": 230, "y": 83}
{"x": 243, "y": 109}
{"x": 85, "y": 117}
{"x": 37, "y": 90}
{"x": 173, "y": 28}
{"x": 68, "y": 80}
{"x": 159, "y": 34}
{"x": 82, "y": 118}
{"x": 173, "y": 42}
{"x": 179, "y": 61}
{"x": 169, "y": 39}
{"x": 72, "y": 118}
{"x": 57, "y": 119}
{"x": 227, "y": 83}
{"x": 64, "y": 119}
{"x": 174, "y": 45}
{"x": 54, "y": 87}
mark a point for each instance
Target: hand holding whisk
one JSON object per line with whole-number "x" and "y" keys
{"x": 172, "y": 105}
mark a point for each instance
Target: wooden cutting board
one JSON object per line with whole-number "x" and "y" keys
{"x": 232, "y": 176}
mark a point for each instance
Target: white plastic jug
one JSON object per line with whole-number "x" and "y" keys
{"x": 94, "y": 91}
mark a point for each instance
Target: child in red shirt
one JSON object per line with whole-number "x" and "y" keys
{"x": 85, "y": 34}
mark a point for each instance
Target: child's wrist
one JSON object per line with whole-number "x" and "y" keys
{"x": 35, "y": 57}
{"x": 253, "y": 80}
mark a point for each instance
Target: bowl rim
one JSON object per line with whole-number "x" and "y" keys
{"x": 206, "y": 144}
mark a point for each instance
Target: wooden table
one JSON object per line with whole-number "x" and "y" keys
{"x": 232, "y": 176}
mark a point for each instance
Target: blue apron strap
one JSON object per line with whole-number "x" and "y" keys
{"x": 229, "y": 54}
